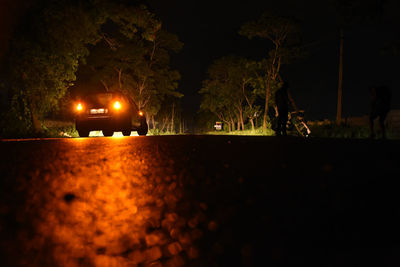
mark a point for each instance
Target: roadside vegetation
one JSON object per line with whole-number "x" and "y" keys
{"x": 238, "y": 89}
{"x": 240, "y": 92}
{"x": 62, "y": 49}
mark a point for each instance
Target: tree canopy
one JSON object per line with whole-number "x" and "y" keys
{"x": 56, "y": 37}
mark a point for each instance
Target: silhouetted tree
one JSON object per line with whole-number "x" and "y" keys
{"x": 139, "y": 67}
{"x": 283, "y": 33}
{"x": 49, "y": 45}
{"x": 229, "y": 91}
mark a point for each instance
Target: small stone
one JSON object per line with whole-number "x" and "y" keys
{"x": 154, "y": 264}
{"x": 153, "y": 254}
{"x": 159, "y": 203}
{"x": 185, "y": 239}
{"x": 166, "y": 224}
{"x": 136, "y": 256}
{"x": 176, "y": 261}
{"x": 192, "y": 252}
{"x": 172, "y": 186}
{"x": 103, "y": 260}
{"x": 171, "y": 217}
{"x": 193, "y": 222}
{"x": 174, "y": 233}
{"x": 174, "y": 248}
{"x": 152, "y": 239}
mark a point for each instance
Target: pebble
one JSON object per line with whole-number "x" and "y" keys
{"x": 174, "y": 248}
{"x": 153, "y": 254}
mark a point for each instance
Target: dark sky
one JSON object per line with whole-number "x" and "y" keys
{"x": 209, "y": 29}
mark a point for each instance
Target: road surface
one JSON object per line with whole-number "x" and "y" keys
{"x": 198, "y": 201}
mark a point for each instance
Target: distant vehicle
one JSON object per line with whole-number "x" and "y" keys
{"x": 109, "y": 112}
{"x": 219, "y": 126}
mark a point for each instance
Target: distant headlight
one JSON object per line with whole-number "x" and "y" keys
{"x": 117, "y": 105}
{"x": 141, "y": 113}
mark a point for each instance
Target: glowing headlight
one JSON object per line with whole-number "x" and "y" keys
{"x": 79, "y": 107}
{"x": 140, "y": 113}
{"x": 117, "y": 105}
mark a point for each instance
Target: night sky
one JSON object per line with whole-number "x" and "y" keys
{"x": 209, "y": 29}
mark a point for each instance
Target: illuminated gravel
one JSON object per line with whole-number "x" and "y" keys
{"x": 196, "y": 200}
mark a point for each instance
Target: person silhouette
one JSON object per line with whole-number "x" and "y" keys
{"x": 379, "y": 107}
{"x": 282, "y": 104}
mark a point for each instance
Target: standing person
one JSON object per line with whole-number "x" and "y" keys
{"x": 282, "y": 104}
{"x": 379, "y": 107}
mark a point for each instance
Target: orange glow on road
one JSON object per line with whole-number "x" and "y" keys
{"x": 113, "y": 208}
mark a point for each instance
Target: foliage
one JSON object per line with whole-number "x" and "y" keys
{"x": 229, "y": 91}
{"x": 283, "y": 33}
{"x": 169, "y": 118}
{"x": 48, "y": 46}
{"x": 258, "y": 131}
{"x": 138, "y": 67}
{"x": 329, "y": 129}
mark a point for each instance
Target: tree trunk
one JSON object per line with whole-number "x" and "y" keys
{"x": 238, "y": 121}
{"x": 241, "y": 118}
{"x": 35, "y": 120}
{"x": 165, "y": 121}
{"x": 340, "y": 82}
{"x": 153, "y": 122}
{"x": 172, "y": 118}
{"x": 120, "y": 79}
{"x": 267, "y": 93}
{"x": 252, "y": 124}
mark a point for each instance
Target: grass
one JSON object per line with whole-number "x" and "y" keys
{"x": 258, "y": 131}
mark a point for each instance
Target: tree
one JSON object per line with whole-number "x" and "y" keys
{"x": 139, "y": 67}
{"x": 52, "y": 41}
{"x": 228, "y": 91}
{"x": 282, "y": 32}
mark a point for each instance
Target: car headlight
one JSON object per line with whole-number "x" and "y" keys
{"x": 141, "y": 113}
{"x": 79, "y": 107}
{"x": 117, "y": 105}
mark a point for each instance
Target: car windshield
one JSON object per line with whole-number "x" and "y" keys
{"x": 102, "y": 99}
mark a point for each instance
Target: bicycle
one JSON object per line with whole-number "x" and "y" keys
{"x": 296, "y": 121}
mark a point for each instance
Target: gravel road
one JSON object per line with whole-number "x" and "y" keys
{"x": 199, "y": 201}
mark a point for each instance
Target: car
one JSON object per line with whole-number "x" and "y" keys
{"x": 109, "y": 112}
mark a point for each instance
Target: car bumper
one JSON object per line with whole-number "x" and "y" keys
{"x": 103, "y": 122}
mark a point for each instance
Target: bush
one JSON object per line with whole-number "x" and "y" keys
{"x": 331, "y": 130}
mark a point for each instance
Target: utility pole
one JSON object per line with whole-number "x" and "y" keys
{"x": 340, "y": 83}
